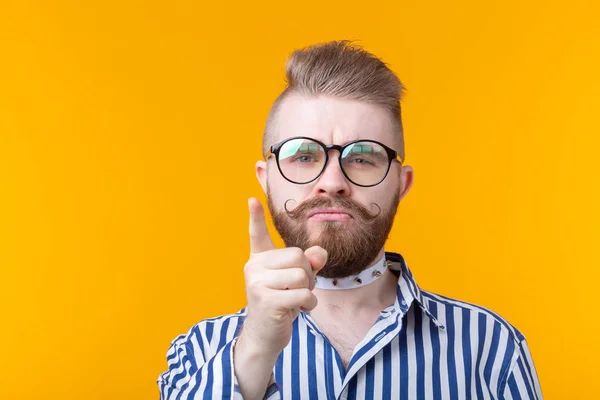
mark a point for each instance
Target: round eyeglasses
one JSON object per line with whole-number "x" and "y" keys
{"x": 365, "y": 163}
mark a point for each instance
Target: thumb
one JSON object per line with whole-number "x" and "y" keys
{"x": 317, "y": 257}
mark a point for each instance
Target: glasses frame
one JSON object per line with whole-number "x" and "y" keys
{"x": 391, "y": 153}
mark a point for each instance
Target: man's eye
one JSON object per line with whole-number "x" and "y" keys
{"x": 304, "y": 158}
{"x": 361, "y": 161}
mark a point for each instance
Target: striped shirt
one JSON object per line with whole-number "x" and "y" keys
{"x": 424, "y": 346}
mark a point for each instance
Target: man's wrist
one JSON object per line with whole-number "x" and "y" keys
{"x": 246, "y": 349}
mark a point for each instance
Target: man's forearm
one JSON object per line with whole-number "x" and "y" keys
{"x": 253, "y": 368}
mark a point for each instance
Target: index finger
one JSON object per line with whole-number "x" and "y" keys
{"x": 260, "y": 240}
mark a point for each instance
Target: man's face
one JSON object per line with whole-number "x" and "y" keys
{"x": 355, "y": 221}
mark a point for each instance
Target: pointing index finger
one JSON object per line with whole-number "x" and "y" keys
{"x": 260, "y": 240}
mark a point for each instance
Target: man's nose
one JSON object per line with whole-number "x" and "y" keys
{"x": 332, "y": 181}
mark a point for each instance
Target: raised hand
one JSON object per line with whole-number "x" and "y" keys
{"x": 279, "y": 283}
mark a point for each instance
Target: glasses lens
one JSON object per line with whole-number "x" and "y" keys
{"x": 301, "y": 160}
{"x": 365, "y": 163}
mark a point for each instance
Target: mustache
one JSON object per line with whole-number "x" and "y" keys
{"x": 353, "y": 208}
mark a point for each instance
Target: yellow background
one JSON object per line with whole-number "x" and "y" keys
{"x": 123, "y": 214}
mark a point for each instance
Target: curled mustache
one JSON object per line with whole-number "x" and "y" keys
{"x": 353, "y": 208}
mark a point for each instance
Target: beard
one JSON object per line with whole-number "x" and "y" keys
{"x": 350, "y": 251}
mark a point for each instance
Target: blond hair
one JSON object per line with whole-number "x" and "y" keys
{"x": 344, "y": 70}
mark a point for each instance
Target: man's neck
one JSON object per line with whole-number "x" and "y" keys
{"x": 372, "y": 297}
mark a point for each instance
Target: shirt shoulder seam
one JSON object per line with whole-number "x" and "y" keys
{"x": 515, "y": 334}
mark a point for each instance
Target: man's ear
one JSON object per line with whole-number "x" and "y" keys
{"x": 407, "y": 175}
{"x": 261, "y": 174}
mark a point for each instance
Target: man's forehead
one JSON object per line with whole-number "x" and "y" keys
{"x": 332, "y": 120}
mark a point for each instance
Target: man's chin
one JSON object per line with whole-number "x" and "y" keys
{"x": 319, "y": 226}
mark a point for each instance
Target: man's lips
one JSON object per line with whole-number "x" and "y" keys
{"x": 329, "y": 214}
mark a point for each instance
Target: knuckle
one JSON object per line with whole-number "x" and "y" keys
{"x": 254, "y": 283}
{"x": 249, "y": 271}
{"x": 251, "y": 286}
{"x": 306, "y": 295}
{"x": 253, "y": 263}
{"x": 300, "y": 277}
{"x": 296, "y": 253}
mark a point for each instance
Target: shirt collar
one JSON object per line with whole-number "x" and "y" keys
{"x": 408, "y": 290}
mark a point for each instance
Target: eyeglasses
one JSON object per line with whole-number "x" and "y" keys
{"x": 302, "y": 159}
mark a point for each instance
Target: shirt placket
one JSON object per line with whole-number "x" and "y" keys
{"x": 334, "y": 370}
{"x": 381, "y": 337}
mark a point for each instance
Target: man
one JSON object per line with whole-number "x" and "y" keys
{"x": 332, "y": 315}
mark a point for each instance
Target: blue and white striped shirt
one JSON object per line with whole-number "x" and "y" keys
{"x": 424, "y": 346}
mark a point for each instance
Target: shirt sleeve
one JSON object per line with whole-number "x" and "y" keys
{"x": 522, "y": 381}
{"x": 194, "y": 373}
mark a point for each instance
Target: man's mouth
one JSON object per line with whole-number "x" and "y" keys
{"x": 329, "y": 214}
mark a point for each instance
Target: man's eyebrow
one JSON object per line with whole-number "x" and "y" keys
{"x": 366, "y": 148}
{"x": 313, "y": 147}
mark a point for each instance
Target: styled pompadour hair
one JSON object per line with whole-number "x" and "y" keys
{"x": 340, "y": 69}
